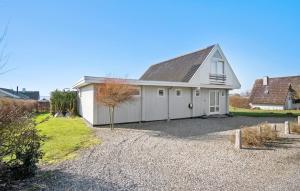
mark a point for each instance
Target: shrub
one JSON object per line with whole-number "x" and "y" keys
{"x": 63, "y": 102}
{"x": 239, "y": 102}
{"x": 295, "y": 127}
{"x": 19, "y": 143}
{"x": 253, "y": 137}
{"x": 14, "y": 108}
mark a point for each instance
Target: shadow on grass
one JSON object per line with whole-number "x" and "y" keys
{"x": 283, "y": 143}
{"x": 59, "y": 180}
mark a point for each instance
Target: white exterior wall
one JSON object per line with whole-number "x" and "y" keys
{"x": 126, "y": 112}
{"x": 197, "y": 104}
{"x": 179, "y": 104}
{"x": 204, "y": 102}
{"x": 267, "y": 107}
{"x": 296, "y": 106}
{"x": 86, "y": 103}
{"x": 154, "y": 107}
{"x": 149, "y": 106}
{"x": 201, "y": 76}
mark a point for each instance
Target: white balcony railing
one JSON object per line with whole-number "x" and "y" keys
{"x": 217, "y": 78}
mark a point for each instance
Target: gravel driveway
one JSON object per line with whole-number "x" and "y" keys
{"x": 189, "y": 154}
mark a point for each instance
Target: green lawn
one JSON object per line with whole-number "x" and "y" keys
{"x": 64, "y": 136}
{"x": 41, "y": 117}
{"x": 264, "y": 113}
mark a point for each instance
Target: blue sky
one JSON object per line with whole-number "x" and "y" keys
{"x": 51, "y": 44}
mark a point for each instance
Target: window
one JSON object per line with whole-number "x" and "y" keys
{"x": 220, "y": 67}
{"x": 161, "y": 92}
{"x": 214, "y": 101}
{"x": 197, "y": 92}
{"x": 137, "y": 92}
{"x": 217, "y": 68}
{"x": 223, "y": 93}
{"x": 178, "y": 92}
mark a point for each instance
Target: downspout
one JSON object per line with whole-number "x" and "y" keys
{"x": 169, "y": 104}
{"x": 192, "y": 101}
{"x": 141, "y": 104}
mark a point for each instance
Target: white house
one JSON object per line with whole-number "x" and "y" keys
{"x": 190, "y": 85}
{"x": 276, "y": 93}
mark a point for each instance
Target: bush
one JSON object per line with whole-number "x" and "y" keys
{"x": 11, "y": 109}
{"x": 63, "y": 102}
{"x": 239, "y": 102}
{"x": 253, "y": 137}
{"x": 295, "y": 128}
{"x": 19, "y": 143}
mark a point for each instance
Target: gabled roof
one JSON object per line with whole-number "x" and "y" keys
{"x": 276, "y": 91}
{"x": 179, "y": 69}
{"x": 35, "y": 95}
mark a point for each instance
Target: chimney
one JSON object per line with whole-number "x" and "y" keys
{"x": 266, "y": 81}
{"x": 17, "y": 89}
{"x": 23, "y": 90}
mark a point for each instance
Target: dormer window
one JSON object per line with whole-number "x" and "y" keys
{"x": 217, "y": 67}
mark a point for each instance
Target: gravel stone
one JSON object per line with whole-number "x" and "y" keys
{"x": 188, "y": 154}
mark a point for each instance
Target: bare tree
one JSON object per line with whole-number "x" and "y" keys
{"x": 113, "y": 92}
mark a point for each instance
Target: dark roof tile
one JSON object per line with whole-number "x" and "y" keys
{"x": 179, "y": 69}
{"x": 276, "y": 91}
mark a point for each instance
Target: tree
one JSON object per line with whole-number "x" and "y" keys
{"x": 111, "y": 93}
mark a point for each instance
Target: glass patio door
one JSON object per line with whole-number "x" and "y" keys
{"x": 214, "y": 101}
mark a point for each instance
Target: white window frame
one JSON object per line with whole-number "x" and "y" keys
{"x": 158, "y": 90}
{"x": 215, "y": 106}
{"x": 179, "y": 91}
{"x": 139, "y": 90}
{"x": 222, "y": 68}
{"x": 196, "y": 92}
{"x": 214, "y": 69}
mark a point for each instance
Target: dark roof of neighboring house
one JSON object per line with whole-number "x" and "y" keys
{"x": 276, "y": 91}
{"x": 179, "y": 69}
{"x": 35, "y": 95}
{"x": 32, "y": 94}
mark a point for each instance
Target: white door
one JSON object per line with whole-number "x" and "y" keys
{"x": 214, "y": 101}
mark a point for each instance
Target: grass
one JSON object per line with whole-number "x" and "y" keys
{"x": 41, "y": 117}
{"x": 263, "y": 113}
{"x": 295, "y": 127}
{"x": 64, "y": 136}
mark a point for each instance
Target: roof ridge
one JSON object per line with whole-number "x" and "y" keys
{"x": 296, "y": 76}
{"x": 182, "y": 55}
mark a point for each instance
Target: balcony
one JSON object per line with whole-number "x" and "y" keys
{"x": 217, "y": 78}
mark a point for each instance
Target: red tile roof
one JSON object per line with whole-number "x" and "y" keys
{"x": 276, "y": 91}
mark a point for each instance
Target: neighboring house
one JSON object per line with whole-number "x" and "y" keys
{"x": 10, "y": 93}
{"x": 276, "y": 93}
{"x": 191, "y": 85}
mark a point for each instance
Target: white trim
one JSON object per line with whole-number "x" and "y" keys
{"x": 140, "y": 92}
{"x": 164, "y": 92}
{"x": 224, "y": 57}
{"x": 180, "y": 94}
{"x": 215, "y": 106}
{"x": 204, "y": 61}
{"x": 86, "y": 80}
